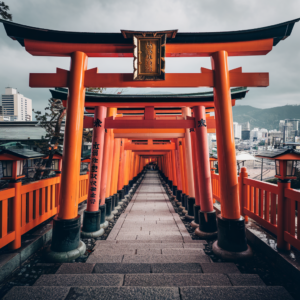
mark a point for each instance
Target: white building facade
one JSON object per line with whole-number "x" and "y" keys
{"x": 237, "y": 129}
{"x": 16, "y": 107}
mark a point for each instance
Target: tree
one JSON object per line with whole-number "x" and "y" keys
{"x": 4, "y": 11}
{"x": 51, "y": 122}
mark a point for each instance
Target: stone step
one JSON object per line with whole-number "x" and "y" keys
{"x": 124, "y": 268}
{"x": 158, "y": 293}
{"x": 150, "y": 279}
{"x": 166, "y": 258}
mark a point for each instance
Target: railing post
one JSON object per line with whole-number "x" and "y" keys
{"x": 243, "y": 192}
{"x": 16, "y": 215}
{"x": 282, "y": 214}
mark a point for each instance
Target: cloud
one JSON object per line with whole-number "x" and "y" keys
{"x": 283, "y": 63}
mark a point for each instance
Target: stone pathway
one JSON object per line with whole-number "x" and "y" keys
{"x": 149, "y": 255}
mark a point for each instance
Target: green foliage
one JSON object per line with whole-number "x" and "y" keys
{"x": 51, "y": 121}
{"x": 4, "y": 11}
{"x": 265, "y": 118}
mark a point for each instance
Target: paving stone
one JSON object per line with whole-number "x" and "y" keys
{"x": 195, "y": 246}
{"x": 176, "y": 268}
{"x": 148, "y": 251}
{"x": 122, "y": 268}
{"x": 165, "y": 258}
{"x": 123, "y": 293}
{"x": 114, "y": 251}
{"x": 126, "y": 237}
{"x": 233, "y": 293}
{"x": 139, "y": 242}
{"x": 37, "y": 293}
{"x": 220, "y": 268}
{"x": 80, "y": 280}
{"x": 97, "y": 257}
{"x": 191, "y": 251}
{"x": 245, "y": 280}
{"x": 176, "y": 279}
{"x": 161, "y": 237}
{"x": 75, "y": 268}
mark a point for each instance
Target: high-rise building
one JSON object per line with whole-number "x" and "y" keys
{"x": 246, "y": 131}
{"x": 237, "y": 129}
{"x": 16, "y": 107}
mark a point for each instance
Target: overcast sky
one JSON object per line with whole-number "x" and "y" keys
{"x": 283, "y": 62}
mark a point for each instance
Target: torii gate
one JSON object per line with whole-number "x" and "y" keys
{"x": 218, "y": 46}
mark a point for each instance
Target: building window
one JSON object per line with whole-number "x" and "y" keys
{"x": 7, "y": 168}
{"x": 54, "y": 165}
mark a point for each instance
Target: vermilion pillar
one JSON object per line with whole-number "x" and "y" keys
{"x": 231, "y": 227}
{"x": 96, "y": 158}
{"x": 105, "y": 167}
{"x": 207, "y": 216}
{"x": 73, "y": 138}
{"x": 225, "y": 137}
{"x": 115, "y": 168}
{"x": 121, "y": 166}
{"x": 92, "y": 215}
{"x": 68, "y": 200}
{"x": 206, "y": 198}
{"x": 186, "y": 111}
{"x": 112, "y": 112}
{"x": 196, "y": 170}
{"x": 174, "y": 168}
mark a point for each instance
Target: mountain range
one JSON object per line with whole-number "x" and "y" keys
{"x": 265, "y": 118}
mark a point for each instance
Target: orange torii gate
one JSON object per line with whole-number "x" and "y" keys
{"x": 216, "y": 45}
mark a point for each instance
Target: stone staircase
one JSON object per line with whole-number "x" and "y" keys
{"x": 148, "y": 255}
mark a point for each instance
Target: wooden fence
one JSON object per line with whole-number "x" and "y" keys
{"x": 274, "y": 207}
{"x": 23, "y": 207}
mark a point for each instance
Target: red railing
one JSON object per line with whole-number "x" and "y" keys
{"x": 270, "y": 205}
{"x": 215, "y": 186}
{"x": 23, "y": 207}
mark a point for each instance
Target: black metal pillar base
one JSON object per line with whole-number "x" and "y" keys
{"x": 190, "y": 209}
{"x": 103, "y": 222}
{"x": 91, "y": 221}
{"x": 113, "y": 202}
{"x": 231, "y": 255}
{"x": 65, "y": 234}
{"x": 108, "y": 206}
{"x": 174, "y": 191}
{"x": 232, "y": 234}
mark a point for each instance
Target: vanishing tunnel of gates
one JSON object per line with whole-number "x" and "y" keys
{"x": 132, "y": 131}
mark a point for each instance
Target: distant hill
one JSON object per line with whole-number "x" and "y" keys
{"x": 265, "y": 118}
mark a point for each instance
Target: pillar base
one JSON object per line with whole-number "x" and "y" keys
{"x": 91, "y": 221}
{"x": 94, "y": 234}
{"x": 184, "y": 211}
{"x": 194, "y": 224}
{"x": 114, "y": 212}
{"x": 189, "y": 218}
{"x": 190, "y": 208}
{"x": 206, "y": 235}
{"x": 66, "y": 256}
{"x": 65, "y": 234}
{"x": 104, "y": 225}
{"x": 196, "y": 214}
{"x": 207, "y": 222}
{"x": 108, "y": 206}
{"x": 110, "y": 217}
{"x": 232, "y": 234}
{"x": 230, "y": 255}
